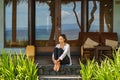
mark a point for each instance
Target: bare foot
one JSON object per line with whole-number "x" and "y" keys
{"x": 55, "y": 67}
{"x": 58, "y": 66}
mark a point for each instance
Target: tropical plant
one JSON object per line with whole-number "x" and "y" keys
{"x": 109, "y": 69}
{"x": 17, "y": 67}
{"x": 87, "y": 70}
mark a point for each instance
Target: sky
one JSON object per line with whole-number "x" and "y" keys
{"x": 22, "y": 15}
{"x": 43, "y": 14}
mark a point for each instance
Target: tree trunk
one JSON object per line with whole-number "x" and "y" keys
{"x": 52, "y": 14}
{"x": 92, "y": 15}
{"x": 75, "y": 13}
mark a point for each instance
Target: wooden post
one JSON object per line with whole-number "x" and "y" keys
{"x": 30, "y": 49}
{"x": 31, "y": 22}
{"x": 84, "y": 15}
{"x": 57, "y": 19}
{"x": 14, "y": 20}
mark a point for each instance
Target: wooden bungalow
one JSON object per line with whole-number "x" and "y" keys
{"x": 38, "y": 23}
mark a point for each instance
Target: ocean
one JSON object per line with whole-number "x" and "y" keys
{"x": 43, "y": 32}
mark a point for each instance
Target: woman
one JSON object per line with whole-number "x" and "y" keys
{"x": 61, "y": 54}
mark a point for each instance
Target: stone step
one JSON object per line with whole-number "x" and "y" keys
{"x": 47, "y": 60}
{"x": 46, "y": 72}
{"x": 64, "y": 70}
{"x": 60, "y": 77}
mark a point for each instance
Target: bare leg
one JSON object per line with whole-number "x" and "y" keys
{"x": 55, "y": 66}
{"x": 57, "y": 53}
{"x": 58, "y": 66}
{"x": 55, "y": 59}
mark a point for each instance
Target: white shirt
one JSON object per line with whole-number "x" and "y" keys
{"x": 66, "y": 52}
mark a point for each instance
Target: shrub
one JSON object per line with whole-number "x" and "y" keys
{"x": 109, "y": 69}
{"x": 17, "y": 67}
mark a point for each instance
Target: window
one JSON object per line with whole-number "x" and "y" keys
{"x": 97, "y": 17}
{"x": 71, "y": 20}
{"x": 8, "y": 24}
{"x": 94, "y": 10}
{"x": 45, "y": 29}
{"x": 100, "y": 16}
{"x": 108, "y": 15}
{"x": 16, "y": 23}
{"x": 69, "y": 17}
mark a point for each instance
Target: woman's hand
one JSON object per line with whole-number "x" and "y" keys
{"x": 55, "y": 61}
{"x": 58, "y": 60}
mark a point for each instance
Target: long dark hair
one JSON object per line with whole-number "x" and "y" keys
{"x": 64, "y": 36}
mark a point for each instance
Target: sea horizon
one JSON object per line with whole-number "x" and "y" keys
{"x": 43, "y": 32}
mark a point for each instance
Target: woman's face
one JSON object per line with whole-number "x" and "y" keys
{"x": 61, "y": 39}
